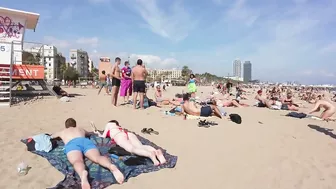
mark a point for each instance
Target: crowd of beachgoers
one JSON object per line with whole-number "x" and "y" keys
{"x": 130, "y": 84}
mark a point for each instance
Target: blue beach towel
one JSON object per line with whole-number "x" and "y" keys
{"x": 99, "y": 176}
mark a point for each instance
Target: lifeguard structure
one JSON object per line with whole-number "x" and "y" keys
{"x": 104, "y": 65}
{"x": 13, "y": 24}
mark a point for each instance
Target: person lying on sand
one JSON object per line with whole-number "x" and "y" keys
{"x": 231, "y": 103}
{"x": 288, "y": 104}
{"x": 75, "y": 145}
{"x": 164, "y": 101}
{"x": 130, "y": 142}
{"x": 205, "y": 111}
{"x": 329, "y": 110}
{"x": 262, "y": 102}
{"x": 59, "y": 91}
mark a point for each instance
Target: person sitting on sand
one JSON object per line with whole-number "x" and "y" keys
{"x": 262, "y": 102}
{"x": 329, "y": 110}
{"x": 131, "y": 143}
{"x": 288, "y": 104}
{"x": 205, "y": 111}
{"x": 160, "y": 100}
{"x": 75, "y": 145}
{"x": 59, "y": 91}
{"x": 239, "y": 92}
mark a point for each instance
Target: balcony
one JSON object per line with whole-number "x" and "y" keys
{"x": 73, "y": 57}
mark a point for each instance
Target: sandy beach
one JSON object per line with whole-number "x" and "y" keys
{"x": 266, "y": 151}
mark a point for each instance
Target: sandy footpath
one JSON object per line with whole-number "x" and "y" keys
{"x": 280, "y": 153}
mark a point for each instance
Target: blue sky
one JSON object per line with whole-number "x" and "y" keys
{"x": 284, "y": 39}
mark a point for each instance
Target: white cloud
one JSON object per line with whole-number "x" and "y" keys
{"x": 283, "y": 40}
{"x": 174, "y": 24}
{"x": 92, "y": 41}
{"x": 57, "y": 42}
{"x": 153, "y": 61}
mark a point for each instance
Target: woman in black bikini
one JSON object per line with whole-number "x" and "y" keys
{"x": 287, "y": 103}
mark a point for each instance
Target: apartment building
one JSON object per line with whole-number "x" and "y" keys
{"x": 79, "y": 59}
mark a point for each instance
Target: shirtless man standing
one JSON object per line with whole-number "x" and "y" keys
{"x": 329, "y": 110}
{"x": 103, "y": 82}
{"x": 139, "y": 74}
{"x": 75, "y": 145}
{"x": 205, "y": 111}
{"x": 115, "y": 81}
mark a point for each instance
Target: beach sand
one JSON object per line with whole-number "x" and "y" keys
{"x": 280, "y": 153}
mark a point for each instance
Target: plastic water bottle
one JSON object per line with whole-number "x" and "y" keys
{"x": 22, "y": 168}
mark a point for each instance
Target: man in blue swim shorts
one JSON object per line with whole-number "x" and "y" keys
{"x": 76, "y": 145}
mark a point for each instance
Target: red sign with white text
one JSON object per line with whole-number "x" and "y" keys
{"x": 25, "y": 72}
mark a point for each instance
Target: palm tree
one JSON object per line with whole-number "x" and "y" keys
{"x": 63, "y": 68}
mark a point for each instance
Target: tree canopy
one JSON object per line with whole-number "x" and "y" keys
{"x": 71, "y": 74}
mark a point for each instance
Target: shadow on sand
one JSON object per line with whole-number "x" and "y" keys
{"x": 326, "y": 131}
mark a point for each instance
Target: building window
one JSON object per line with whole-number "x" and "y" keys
{"x": 49, "y": 58}
{"x": 49, "y": 65}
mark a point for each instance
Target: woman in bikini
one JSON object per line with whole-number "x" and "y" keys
{"x": 288, "y": 104}
{"x": 130, "y": 142}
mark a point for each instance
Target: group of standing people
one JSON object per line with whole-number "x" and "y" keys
{"x": 126, "y": 80}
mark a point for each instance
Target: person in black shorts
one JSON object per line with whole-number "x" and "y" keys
{"x": 115, "y": 81}
{"x": 139, "y": 86}
{"x": 139, "y": 75}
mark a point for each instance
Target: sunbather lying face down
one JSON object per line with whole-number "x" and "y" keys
{"x": 205, "y": 111}
{"x": 131, "y": 143}
{"x": 329, "y": 109}
{"x": 76, "y": 145}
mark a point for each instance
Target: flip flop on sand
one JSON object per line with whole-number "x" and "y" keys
{"x": 149, "y": 131}
{"x": 203, "y": 123}
{"x": 212, "y": 123}
{"x": 93, "y": 126}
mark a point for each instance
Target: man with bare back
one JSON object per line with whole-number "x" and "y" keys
{"x": 115, "y": 81}
{"x": 329, "y": 110}
{"x": 139, "y": 74}
{"x": 75, "y": 145}
{"x": 205, "y": 111}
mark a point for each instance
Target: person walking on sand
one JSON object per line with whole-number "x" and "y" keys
{"x": 103, "y": 82}
{"x": 126, "y": 82}
{"x": 75, "y": 145}
{"x": 115, "y": 81}
{"x": 139, "y": 74}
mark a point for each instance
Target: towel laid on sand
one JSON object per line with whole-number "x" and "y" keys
{"x": 99, "y": 176}
{"x": 198, "y": 117}
{"x": 302, "y": 115}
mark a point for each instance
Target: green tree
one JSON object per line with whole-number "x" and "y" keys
{"x": 29, "y": 59}
{"x": 71, "y": 74}
{"x": 63, "y": 68}
{"x": 186, "y": 71}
